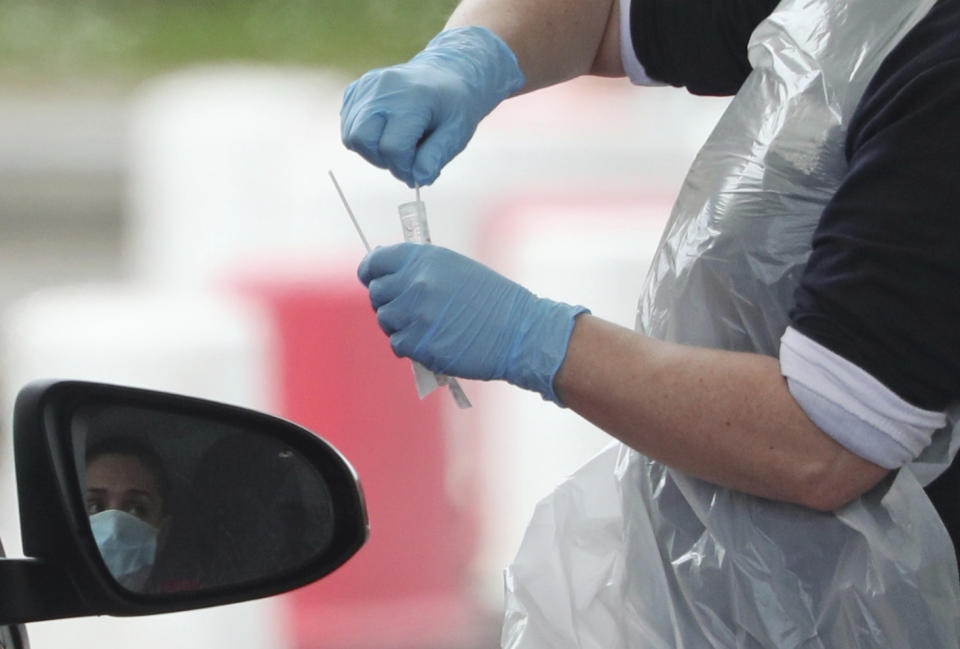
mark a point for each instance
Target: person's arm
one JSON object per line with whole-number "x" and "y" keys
{"x": 554, "y": 40}
{"x": 721, "y": 416}
{"x": 725, "y": 417}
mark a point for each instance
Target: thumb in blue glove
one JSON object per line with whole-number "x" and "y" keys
{"x": 415, "y": 117}
{"x": 458, "y": 317}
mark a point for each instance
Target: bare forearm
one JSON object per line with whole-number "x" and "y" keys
{"x": 725, "y": 417}
{"x": 554, "y": 40}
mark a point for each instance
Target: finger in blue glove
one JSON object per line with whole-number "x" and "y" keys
{"x": 413, "y": 118}
{"x": 460, "y": 318}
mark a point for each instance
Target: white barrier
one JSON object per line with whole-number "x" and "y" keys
{"x": 228, "y": 168}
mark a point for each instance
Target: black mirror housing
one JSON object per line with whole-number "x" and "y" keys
{"x": 66, "y": 572}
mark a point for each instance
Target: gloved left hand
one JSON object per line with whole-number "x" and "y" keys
{"x": 458, "y": 317}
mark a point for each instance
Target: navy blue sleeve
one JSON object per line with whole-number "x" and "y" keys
{"x": 882, "y": 286}
{"x": 697, "y": 44}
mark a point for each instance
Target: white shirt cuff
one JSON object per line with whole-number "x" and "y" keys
{"x": 852, "y": 407}
{"x": 631, "y": 64}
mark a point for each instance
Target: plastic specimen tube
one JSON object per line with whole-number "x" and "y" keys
{"x": 413, "y": 220}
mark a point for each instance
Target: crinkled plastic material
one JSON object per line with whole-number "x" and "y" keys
{"x": 630, "y": 554}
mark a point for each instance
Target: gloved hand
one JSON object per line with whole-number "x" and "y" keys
{"x": 414, "y": 117}
{"x": 458, "y": 317}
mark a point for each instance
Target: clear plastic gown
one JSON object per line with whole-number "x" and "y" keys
{"x": 628, "y": 553}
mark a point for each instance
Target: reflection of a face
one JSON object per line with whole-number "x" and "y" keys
{"x": 123, "y": 482}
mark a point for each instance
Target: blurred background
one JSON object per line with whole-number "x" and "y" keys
{"x": 167, "y": 221}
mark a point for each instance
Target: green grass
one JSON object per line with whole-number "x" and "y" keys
{"x": 96, "y": 38}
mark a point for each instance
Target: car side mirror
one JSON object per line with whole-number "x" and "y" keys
{"x": 135, "y": 502}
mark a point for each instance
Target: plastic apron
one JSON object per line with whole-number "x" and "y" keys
{"x": 630, "y": 554}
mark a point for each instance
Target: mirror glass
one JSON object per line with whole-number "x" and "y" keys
{"x": 185, "y": 503}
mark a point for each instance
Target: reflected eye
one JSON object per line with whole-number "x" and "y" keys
{"x": 137, "y": 510}
{"x": 139, "y": 507}
{"x": 94, "y": 507}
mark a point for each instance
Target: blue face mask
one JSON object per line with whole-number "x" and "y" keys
{"x": 128, "y": 546}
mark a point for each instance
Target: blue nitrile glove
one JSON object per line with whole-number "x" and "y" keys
{"x": 414, "y": 117}
{"x": 457, "y": 317}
